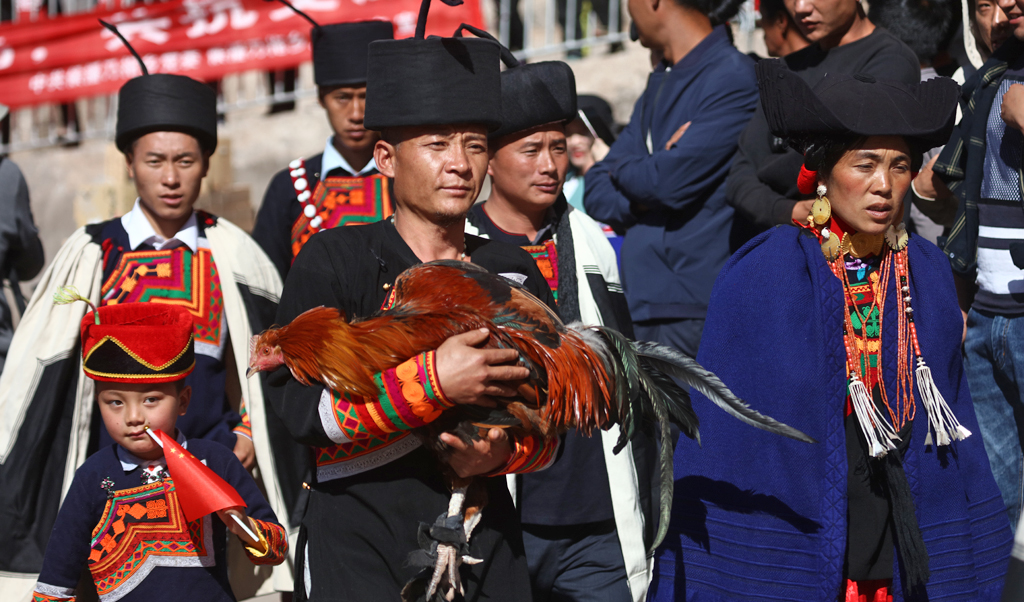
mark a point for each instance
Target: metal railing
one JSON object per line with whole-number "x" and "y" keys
{"x": 534, "y": 28}
{"x": 558, "y": 28}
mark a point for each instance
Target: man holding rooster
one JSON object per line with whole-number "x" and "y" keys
{"x": 375, "y": 483}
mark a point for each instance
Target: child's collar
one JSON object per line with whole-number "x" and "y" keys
{"x": 130, "y": 461}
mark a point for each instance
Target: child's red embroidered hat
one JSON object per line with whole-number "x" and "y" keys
{"x": 138, "y": 343}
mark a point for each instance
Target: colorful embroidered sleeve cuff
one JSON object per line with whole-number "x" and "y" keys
{"x": 529, "y": 454}
{"x": 273, "y": 541}
{"x": 410, "y": 397}
{"x": 45, "y": 592}
{"x": 243, "y": 428}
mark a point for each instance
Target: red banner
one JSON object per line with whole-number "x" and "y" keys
{"x": 64, "y": 58}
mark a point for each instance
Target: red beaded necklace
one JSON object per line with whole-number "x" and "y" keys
{"x": 879, "y": 430}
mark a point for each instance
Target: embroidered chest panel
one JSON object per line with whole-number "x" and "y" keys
{"x": 176, "y": 277}
{"x": 142, "y": 528}
{"x": 865, "y": 316}
{"x": 546, "y": 256}
{"x": 342, "y": 201}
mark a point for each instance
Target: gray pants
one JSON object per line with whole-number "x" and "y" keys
{"x": 576, "y": 563}
{"x": 684, "y": 335}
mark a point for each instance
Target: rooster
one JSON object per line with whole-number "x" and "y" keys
{"x": 581, "y": 377}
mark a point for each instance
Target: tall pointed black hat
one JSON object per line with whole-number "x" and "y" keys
{"x": 856, "y": 105}
{"x": 163, "y": 102}
{"x": 532, "y": 94}
{"x": 339, "y": 49}
{"x": 433, "y": 81}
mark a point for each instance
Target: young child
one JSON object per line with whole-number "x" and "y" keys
{"x": 121, "y": 516}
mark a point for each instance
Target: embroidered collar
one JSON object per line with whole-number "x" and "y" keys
{"x": 140, "y": 231}
{"x": 332, "y": 159}
{"x": 130, "y": 461}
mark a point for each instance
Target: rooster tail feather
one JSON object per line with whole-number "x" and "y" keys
{"x": 624, "y": 367}
{"x": 678, "y": 404}
{"x": 686, "y": 369}
{"x": 648, "y": 392}
{"x": 659, "y": 405}
{"x": 667, "y": 485}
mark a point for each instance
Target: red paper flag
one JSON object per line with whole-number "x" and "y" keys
{"x": 200, "y": 490}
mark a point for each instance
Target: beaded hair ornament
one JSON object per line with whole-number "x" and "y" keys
{"x": 880, "y": 430}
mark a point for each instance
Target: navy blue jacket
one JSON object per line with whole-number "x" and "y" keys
{"x": 143, "y": 557}
{"x": 672, "y": 202}
{"x": 761, "y": 517}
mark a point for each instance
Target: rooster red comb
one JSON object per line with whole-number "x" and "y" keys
{"x": 138, "y": 343}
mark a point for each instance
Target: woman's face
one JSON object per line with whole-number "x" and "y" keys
{"x": 580, "y": 144}
{"x": 867, "y": 186}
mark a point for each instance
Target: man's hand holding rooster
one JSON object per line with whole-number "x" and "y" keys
{"x": 486, "y": 455}
{"x": 471, "y": 375}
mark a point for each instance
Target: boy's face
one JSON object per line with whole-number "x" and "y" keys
{"x": 168, "y": 170}
{"x": 127, "y": 408}
{"x": 346, "y": 106}
{"x": 529, "y": 170}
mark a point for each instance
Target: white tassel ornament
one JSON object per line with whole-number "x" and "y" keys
{"x": 877, "y": 431}
{"x": 941, "y": 419}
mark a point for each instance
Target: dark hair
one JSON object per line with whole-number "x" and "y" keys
{"x": 822, "y": 154}
{"x": 393, "y": 136}
{"x": 770, "y": 10}
{"x": 129, "y": 149}
{"x": 717, "y": 11}
{"x": 924, "y": 25}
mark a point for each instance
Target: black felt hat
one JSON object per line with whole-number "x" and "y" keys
{"x": 339, "y": 50}
{"x": 536, "y": 94}
{"x": 433, "y": 81}
{"x": 163, "y": 102}
{"x": 599, "y": 114}
{"x": 856, "y": 105}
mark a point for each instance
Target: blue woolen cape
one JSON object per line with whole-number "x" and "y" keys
{"x": 761, "y": 517}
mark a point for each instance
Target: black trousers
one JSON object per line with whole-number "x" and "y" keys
{"x": 358, "y": 532}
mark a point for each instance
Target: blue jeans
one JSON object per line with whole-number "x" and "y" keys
{"x": 994, "y": 355}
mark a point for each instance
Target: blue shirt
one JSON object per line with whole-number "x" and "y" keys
{"x": 672, "y": 202}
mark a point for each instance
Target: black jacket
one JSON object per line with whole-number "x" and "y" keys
{"x": 762, "y": 183}
{"x": 962, "y": 162}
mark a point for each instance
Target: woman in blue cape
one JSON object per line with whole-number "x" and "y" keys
{"x": 849, "y": 330}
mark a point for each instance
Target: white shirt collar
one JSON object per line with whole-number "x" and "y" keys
{"x": 141, "y": 231}
{"x": 130, "y": 461}
{"x": 332, "y": 159}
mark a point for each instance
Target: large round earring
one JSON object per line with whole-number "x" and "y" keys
{"x": 897, "y": 237}
{"x": 821, "y": 209}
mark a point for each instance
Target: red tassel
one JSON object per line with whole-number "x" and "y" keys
{"x": 807, "y": 181}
